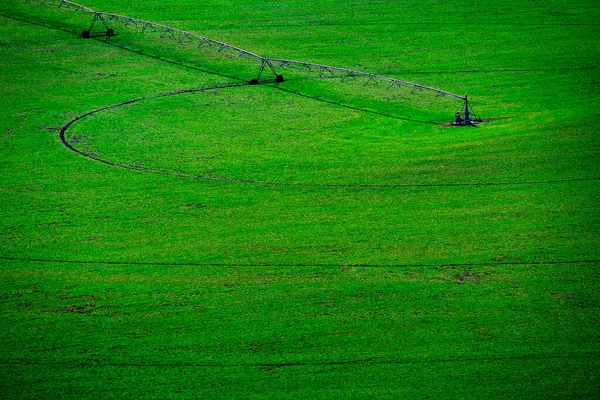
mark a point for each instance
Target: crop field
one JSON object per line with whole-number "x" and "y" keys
{"x": 169, "y": 230}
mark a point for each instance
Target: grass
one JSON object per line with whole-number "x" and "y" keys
{"x": 384, "y": 257}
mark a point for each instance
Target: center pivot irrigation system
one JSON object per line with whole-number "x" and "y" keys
{"x": 265, "y": 63}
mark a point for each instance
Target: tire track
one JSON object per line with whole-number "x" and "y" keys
{"x": 499, "y": 70}
{"x": 298, "y": 265}
{"x": 427, "y": 23}
{"x": 219, "y": 178}
{"x": 358, "y": 362}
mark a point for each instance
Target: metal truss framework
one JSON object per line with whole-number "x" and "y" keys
{"x": 273, "y": 64}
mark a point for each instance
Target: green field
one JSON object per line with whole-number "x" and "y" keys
{"x": 311, "y": 239}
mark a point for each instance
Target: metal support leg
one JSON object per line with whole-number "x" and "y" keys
{"x": 262, "y": 69}
{"x": 278, "y": 78}
{"x": 87, "y": 33}
{"x": 109, "y": 31}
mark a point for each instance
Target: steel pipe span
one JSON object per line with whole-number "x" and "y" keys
{"x": 352, "y": 73}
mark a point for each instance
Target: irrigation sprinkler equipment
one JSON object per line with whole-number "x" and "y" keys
{"x": 368, "y": 79}
{"x": 274, "y": 65}
{"x": 459, "y": 120}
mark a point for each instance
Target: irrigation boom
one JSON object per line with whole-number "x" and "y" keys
{"x": 181, "y": 36}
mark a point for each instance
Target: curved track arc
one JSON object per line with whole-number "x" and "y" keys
{"x": 220, "y": 178}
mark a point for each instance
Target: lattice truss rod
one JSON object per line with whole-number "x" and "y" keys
{"x": 325, "y": 71}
